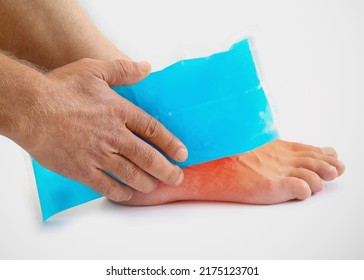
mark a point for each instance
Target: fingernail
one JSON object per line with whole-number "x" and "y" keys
{"x": 130, "y": 196}
{"x": 180, "y": 178}
{"x": 144, "y": 68}
{"x": 122, "y": 197}
{"x": 181, "y": 154}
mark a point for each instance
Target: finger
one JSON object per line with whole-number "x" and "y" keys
{"x": 312, "y": 179}
{"x": 122, "y": 72}
{"x": 150, "y": 160}
{"x": 326, "y": 171}
{"x": 340, "y": 167}
{"x": 130, "y": 174}
{"x": 109, "y": 187}
{"x": 153, "y": 131}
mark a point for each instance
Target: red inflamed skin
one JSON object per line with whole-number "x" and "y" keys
{"x": 277, "y": 172}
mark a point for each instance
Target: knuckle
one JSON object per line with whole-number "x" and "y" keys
{"x": 152, "y": 130}
{"x": 126, "y": 144}
{"x": 114, "y": 139}
{"x": 86, "y": 61}
{"x": 129, "y": 148}
{"x": 124, "y": 68}
{"x": 150, "y": 159}
{"x": 100, "y": 156}
{"x": 131, "y": 175}
{"x": 119, "y": 110}
{"x": 172, "y": 175}
{"x": 169, "y": 143}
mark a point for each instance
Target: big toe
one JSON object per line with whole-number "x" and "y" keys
{"x": 295, "y": 188}
{"x": 310, "y": 177}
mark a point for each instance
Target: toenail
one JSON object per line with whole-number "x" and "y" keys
{"x": 333, "y": 169}
{"x": 322, "y": 184}
{"x": 328, "y": 151}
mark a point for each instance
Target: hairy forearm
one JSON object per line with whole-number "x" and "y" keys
{"x": 19, "y": 88}
{"x": 51, "y": 33}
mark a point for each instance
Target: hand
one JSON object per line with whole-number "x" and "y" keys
{"x": 84, "y": 129}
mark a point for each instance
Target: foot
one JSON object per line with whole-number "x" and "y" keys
{"x": 277, "y": 172}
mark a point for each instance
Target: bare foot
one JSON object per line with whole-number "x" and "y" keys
{"x": 277, "y": 172}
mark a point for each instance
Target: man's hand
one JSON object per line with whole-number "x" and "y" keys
{"x": 84, "y": 129}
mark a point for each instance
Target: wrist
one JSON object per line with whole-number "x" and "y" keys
{"x": 21, "y": 116}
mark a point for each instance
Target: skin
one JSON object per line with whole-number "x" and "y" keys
{"x": 277, "y": 172}
{"x": 51, "y": 34}
{"x": 71, "y": 122}
{"x": 75, "y": 102}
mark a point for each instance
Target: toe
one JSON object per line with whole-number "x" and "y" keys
{"x": 326, "y": 171}
{"x": 329, "y": 151}
{"x": 298, "y": 147}
{"x": 310, "y": 177}
{"x": 342, "y": 168}
{"x": 296, "y": 188}
{"x": 333, "y": 161}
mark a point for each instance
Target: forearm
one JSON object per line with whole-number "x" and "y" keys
{"x": 51, "y": 33}
{"x": 19, "y": 89}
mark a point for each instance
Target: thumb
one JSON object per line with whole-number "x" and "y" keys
{"x": 123, "y": 72}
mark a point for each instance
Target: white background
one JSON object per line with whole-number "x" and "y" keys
{"x": 310, "y": 54}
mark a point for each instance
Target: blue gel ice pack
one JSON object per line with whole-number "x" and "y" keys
{"x": 214, "y": 104}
